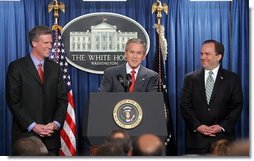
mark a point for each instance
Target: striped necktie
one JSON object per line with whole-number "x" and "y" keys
{"x": 209, "y": 86}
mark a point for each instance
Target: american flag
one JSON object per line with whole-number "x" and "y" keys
{"x": 68, "y": 133}
{"x": 160, "y": 67}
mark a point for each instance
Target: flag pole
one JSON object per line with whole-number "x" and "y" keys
{"x": 54, "y": 5}
{"x": 160, "y": 58}
{"x": 162, "y": 47}
{"x": 68, "y": 132}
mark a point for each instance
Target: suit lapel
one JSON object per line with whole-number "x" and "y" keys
{"x": 201, "y": 79}
{"x": 32, "y": 69}
{"x": 218, "y": 82}
{"x": 121, "y": 70}
{"x": 140, "y": 79}
{"x": 46, "y": 71}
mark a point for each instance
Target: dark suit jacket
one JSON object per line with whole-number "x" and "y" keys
{"x": 224, "y": 109}
{"x": 31, "y": 101}
{"x": 146, "y": 81}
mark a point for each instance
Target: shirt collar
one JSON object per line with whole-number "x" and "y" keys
{"x": 129, "y": 69}
{"x": 215, "y": 72}
{"x": 36, "y": 61}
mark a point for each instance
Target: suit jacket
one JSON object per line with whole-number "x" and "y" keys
{"x": 146, "y": 81}
{"x": 31, "y": 101}
{"x": 224, "y": 108}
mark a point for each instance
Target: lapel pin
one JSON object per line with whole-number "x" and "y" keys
{"x": 221, "y": 77}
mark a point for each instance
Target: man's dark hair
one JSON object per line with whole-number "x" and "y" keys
{"x": 110, "y": 149}
{"x": 136, "y": 41}
{"x": 219, "y": 48}
{"x": 29, "y": 146}
{"x": 125, "y": 141}
{"x": 35, "y": 33}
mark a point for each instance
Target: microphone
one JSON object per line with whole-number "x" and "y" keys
{"x": 120, "y": 79}
{"x": 129, "y": 80}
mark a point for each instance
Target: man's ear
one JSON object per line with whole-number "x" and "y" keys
{"x": 144, "y": 56}
{"x": 219, "y": 57}
{"x": 34, "y": 43}
{"x": 124, "y": 55}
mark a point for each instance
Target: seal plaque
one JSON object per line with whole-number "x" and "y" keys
{"x": 127, "y": 114}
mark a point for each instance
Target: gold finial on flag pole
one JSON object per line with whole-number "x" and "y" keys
{"x": 157, "y": 6}
{"x": 56, "y": 6}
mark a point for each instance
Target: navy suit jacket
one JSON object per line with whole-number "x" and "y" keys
{"x": 31, "y": 101}
{"x": 146, "y": 81}
{"x": 224, "y": 108}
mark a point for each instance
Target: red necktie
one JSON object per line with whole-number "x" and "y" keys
{"x": 131, "y": 89}
{"x": 40, "y": 72}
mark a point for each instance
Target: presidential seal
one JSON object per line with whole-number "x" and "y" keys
{"x": 127, "y": 114}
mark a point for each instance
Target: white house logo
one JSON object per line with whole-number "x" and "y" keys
{"x": 96, "y": 41}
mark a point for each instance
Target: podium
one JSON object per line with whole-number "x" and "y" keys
{"x": 106, "y": 109}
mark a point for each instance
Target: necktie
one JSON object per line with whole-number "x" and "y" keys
{"x": 40, "y": 72}
{"x": 209, "y": 86}
{"x": 131, "y": 89}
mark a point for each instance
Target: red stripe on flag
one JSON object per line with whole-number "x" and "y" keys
{"x": 61, "y": 153}
{"x": 67, "y": 141}
{"x": 71, "y": 123}
{"x": 70, "y": 99}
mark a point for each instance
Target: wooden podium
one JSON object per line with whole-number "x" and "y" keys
{"x": 100, "y": 115}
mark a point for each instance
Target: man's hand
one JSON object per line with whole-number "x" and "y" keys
{"x": 216, "y": 129}
{"x": 209, "y": 130}
{"x": 52, "y": 126}
{"x": 206, "y": 130}
{"x": 42, "y": 130}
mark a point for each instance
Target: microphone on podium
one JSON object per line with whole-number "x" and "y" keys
{"x": 123, "y": 83}
{"x": 129, "y": 80}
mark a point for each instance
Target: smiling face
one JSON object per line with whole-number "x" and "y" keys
{"x": 135, "y": 54}
{"x": 209, "y": 58}
{"x": 42, "y": 46}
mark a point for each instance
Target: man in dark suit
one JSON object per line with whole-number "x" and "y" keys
{"x": 143, "y": 79}
{"x": 36, "y": 93}
{"x": 211, "y": 101}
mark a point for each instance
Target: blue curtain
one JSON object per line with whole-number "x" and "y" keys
{"x": 187, "y": 25}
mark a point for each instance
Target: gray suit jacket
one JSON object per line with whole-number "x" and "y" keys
{"x": 146, "y": 81}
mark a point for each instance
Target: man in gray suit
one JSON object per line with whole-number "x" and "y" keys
{"x": 130, "y": 76}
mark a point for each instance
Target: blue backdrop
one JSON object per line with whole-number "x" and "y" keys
{"x": 187, "y": 25}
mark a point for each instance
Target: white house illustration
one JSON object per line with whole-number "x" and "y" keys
{"x": 101, "y": 38}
